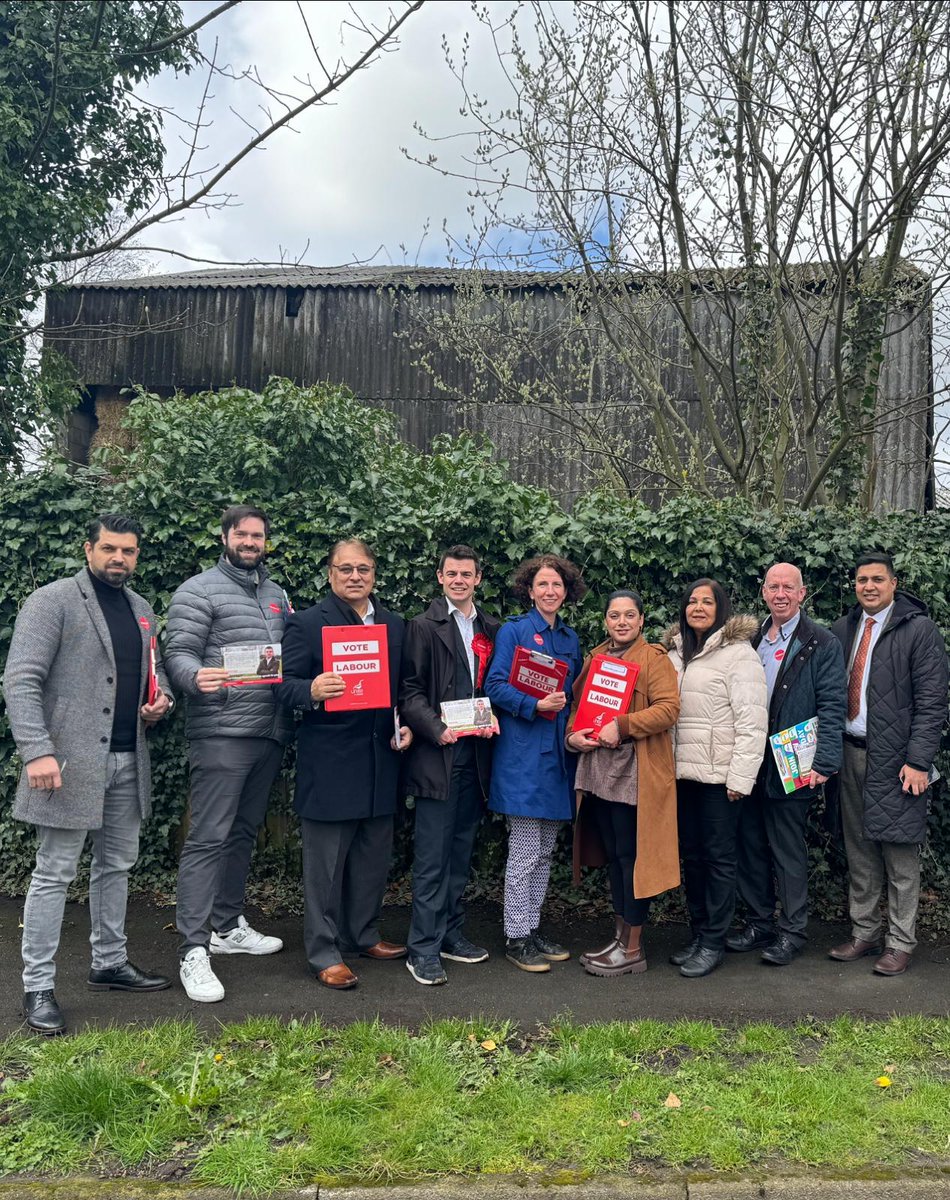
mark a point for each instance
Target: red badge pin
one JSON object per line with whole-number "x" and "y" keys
{"x": 539, "y": 639}
{"x": 779, "y": 655}
{"x": 275, "y": 608}
{"x": 145, "y": 622}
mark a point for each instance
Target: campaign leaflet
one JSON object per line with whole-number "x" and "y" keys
{"x": 537, "y": 674}
{"x": 248, "y": 664}
{"x": 468, "y": 717}
{"x": 607, "y": 692}
{"x": 360, "y": 654}
{"x": 794, "y": 751}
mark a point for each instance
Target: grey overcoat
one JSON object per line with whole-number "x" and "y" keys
{"x": 59, "y": 686}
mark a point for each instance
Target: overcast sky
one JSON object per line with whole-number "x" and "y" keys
{"x": 339, "y": 189}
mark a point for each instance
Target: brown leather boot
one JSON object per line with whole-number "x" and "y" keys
{"x": 618, "y": 926}
{"x": 624, "y": 958}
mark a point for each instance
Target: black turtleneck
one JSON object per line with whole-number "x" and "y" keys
{"x": 127, "y": 649}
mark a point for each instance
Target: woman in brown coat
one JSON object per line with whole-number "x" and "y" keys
{"x": 626, "y": 781}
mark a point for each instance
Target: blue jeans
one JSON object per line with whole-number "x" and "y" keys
{"x": 115, "y": 847}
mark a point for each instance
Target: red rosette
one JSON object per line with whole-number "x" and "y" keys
{"x": 482, "y": 646}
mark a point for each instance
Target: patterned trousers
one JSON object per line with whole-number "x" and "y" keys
{"x": 531, "y": 843}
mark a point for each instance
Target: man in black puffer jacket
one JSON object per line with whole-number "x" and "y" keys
{"x": 897, "y": 706}
{"x": 236, "y": 741}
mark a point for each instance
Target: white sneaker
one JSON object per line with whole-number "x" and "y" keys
{"x": 244, "y": 940}
{"x": 197, "y": 978}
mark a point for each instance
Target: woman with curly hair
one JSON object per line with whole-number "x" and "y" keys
{"x": 531, "y": 775}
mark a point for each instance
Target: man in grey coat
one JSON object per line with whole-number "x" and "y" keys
{"x": 83, "y": 681}
{"x": 236, "y": 740}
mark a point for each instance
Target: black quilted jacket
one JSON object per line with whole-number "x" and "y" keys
{"x": 907, "y": 708}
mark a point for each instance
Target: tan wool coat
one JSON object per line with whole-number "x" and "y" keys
{"x": 652, "y": 713}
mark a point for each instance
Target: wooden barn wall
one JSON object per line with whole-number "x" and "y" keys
{"x": 201, "y": 338}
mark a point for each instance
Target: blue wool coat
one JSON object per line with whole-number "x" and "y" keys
{"x": 532, "y": 775}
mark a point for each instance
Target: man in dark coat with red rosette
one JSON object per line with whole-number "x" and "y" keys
{"x": 446, "y": 655}
{"x": 347, "y": 774}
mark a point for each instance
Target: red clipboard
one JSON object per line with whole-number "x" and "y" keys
{"x": 608, "y": 690}
{"x": 537, "y": 674}
{"x": 360, "y": 654}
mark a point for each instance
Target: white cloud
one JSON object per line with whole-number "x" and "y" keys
{"x": 340, "y": 187}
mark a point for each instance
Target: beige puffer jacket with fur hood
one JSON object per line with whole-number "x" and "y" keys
{"x": 721, "y": 732}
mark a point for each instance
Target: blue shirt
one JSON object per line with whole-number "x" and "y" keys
{"x": 773, "y": 654}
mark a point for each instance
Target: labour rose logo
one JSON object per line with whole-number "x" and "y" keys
{"x": 482, "y": 647}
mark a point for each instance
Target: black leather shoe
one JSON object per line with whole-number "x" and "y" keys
{"x": 749, "y": 938}
{"x": 43, "y": 1013}
{"x": 127, "y": 978}
{"x": 681, "y": 956}
{"x": 781, "y": 952}
{"x": 703, "y": 962}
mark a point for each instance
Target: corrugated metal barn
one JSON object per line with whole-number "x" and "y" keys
{"x": 370, "y": 328}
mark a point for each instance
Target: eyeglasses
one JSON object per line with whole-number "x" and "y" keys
{"x": 349, "y": 569}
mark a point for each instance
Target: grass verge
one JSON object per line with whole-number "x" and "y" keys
{"x": 268, "y": 1105}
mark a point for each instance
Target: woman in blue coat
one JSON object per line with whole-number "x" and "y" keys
{"x": 531, "y": 774}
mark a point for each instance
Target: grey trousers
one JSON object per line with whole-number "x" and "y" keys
{"x": 872, "y": 864}
{"x": 231, "y": 779}
{"x": 115, "y": 847}
{"x": 345, "y": 868}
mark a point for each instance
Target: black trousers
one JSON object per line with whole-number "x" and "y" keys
{"x": 617, "y": 826}
{"x": 345, "y": 868}
{"x": 444, "y": 840}
{"x": 773, "y": 862}
{"x": 708, "y": 822}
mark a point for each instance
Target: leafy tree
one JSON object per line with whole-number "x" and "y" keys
{"x": 84, "y": 167}
{"x": 733, "y": 190}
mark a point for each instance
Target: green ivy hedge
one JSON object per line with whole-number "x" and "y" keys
{"x": 324, "y": 466}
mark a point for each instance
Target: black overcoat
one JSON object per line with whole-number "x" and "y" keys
{"x": 907, "y": 710}
{"x": 346, "y": 768}
{"x": 811, "y": 683}
{"x": 428, "y": 678}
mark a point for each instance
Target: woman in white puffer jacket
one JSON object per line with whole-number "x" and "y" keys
{"x": 720, "y": 741}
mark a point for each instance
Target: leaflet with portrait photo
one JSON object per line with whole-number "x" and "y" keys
{"x": 252, "y": 663}
{"x": 468, "y": 717}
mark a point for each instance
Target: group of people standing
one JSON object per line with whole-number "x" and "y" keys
{"x": 683, "y": 776}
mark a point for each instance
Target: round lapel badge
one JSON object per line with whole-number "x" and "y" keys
{"x": 779, "y": 655}
{"x": 539, "y": 639}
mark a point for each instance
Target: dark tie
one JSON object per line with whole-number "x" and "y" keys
{"x": 857, "y": 671}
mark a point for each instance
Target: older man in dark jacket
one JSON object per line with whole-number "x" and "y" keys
{"x": 804, "y": 671}
{"x": 897, "y": 708}
{"x": 347, "y": 774}
{"x": 447, "y": 652}
{"x": 236, "y": 741}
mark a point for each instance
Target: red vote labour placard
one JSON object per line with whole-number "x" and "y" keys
{"x": 537, "y": 675}
{"x": 608, "y": 691}
{"x": 360, "y": 654}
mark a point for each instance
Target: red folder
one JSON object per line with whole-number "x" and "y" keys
{"x": 151, "y": 690}
{"x": 537, "y": 675}
{"x": 360, "y": 653}
{"x": 608, "y": 691}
